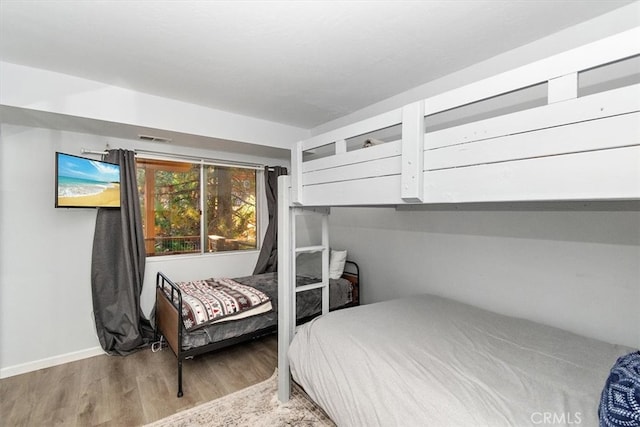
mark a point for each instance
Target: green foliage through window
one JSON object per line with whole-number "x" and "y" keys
{"x": 175, "y": 221}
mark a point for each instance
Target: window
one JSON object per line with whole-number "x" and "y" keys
{"x": 196, "y": 207}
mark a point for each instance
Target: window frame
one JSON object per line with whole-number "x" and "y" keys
{"x": 260, "y": 198}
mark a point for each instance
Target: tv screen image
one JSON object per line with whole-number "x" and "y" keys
{"x": 86, "y": 183}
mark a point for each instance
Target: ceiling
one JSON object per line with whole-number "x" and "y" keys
{"x": 301, "y": 63}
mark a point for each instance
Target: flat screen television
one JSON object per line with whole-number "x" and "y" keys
{"x": 86, "y": 183}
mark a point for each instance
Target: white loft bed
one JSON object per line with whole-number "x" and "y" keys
{"x": 580, "y": 143}
{"x": 563, "y": 150}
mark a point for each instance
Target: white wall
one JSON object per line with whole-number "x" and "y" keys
{"x": 573, "y": 268}
{"x": 45, "y": 253}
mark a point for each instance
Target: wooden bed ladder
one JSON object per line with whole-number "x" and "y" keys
{"x": 287, "y": 290}
{"x": 323, "y": 247}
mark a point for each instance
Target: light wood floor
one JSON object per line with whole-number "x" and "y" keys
{"x": 132, "y": 390}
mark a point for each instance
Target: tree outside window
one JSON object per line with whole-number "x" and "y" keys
{"x": 196, "y": 208}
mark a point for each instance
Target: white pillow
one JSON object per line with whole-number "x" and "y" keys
{"x": 336, "y": 264}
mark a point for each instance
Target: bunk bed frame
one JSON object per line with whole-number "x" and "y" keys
{"x": 577, "y": 145}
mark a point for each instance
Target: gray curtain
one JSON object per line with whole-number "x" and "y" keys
{"x": 268, "y": 259}
{"x": 117, "y": 266}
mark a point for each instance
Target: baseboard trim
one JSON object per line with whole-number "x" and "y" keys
{"x": 23, "y": 368}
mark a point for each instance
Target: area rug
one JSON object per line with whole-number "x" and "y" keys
{"x": 257, "y": 405}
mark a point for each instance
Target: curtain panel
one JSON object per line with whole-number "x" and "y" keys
{"x": 268, "y": 258}
{"x": 117, "y": 268}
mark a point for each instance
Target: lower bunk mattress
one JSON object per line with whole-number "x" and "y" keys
{"x": 428, "y": 360}
{"x": 307, "y": 304}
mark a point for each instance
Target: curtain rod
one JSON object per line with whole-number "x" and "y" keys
{"x": 220, "y": 162}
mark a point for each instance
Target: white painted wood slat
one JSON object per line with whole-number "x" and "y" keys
{"x": 307, "y": 249}
{"x": 412, "y": 152}
{"x": 617, "y": 101}
{"x": 286, "y": 298}
{"x": 309, "y": 287}
{"x": 372, "y": 169}
{"x": 381, "y": 151}
{"x": 596, "y": 175}
{"x": 325, "y": 264}
{"x": 562, "y": 88}
{"x": 373, "y": 191}
{"x": 296, "y": 174}
{"x": 609, "y": 132}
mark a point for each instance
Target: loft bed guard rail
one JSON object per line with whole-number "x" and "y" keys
{"x": 577, "y": 144}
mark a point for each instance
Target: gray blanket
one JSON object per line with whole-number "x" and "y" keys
{"x": 430, "y": 361}
{"x": 307, "y": 303}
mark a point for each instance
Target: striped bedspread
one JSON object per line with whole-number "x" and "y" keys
{"x": 216, "y": 300}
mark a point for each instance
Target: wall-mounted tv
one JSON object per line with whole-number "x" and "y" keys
{"x": 86, "y": 183}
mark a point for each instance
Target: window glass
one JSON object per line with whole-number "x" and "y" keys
{"x": 172, "y": 215}
{"x": 230, "y": 211}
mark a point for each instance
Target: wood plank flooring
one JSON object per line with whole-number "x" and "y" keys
{"x": 133, "y": 390}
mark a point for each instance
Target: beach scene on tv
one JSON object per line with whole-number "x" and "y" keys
{"x": 87, "y": 183}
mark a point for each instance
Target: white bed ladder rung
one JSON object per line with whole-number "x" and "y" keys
{"x": 310, "y": 287}
{"x": 323, "y": 248}
{"x": 309, "y": 249}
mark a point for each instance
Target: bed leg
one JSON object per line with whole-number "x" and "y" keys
{"x": 179, "y": 378}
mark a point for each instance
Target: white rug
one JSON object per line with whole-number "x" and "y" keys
{"x": 257, "y": 405}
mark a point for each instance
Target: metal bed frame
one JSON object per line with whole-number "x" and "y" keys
{"x": 168, "y": 321}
